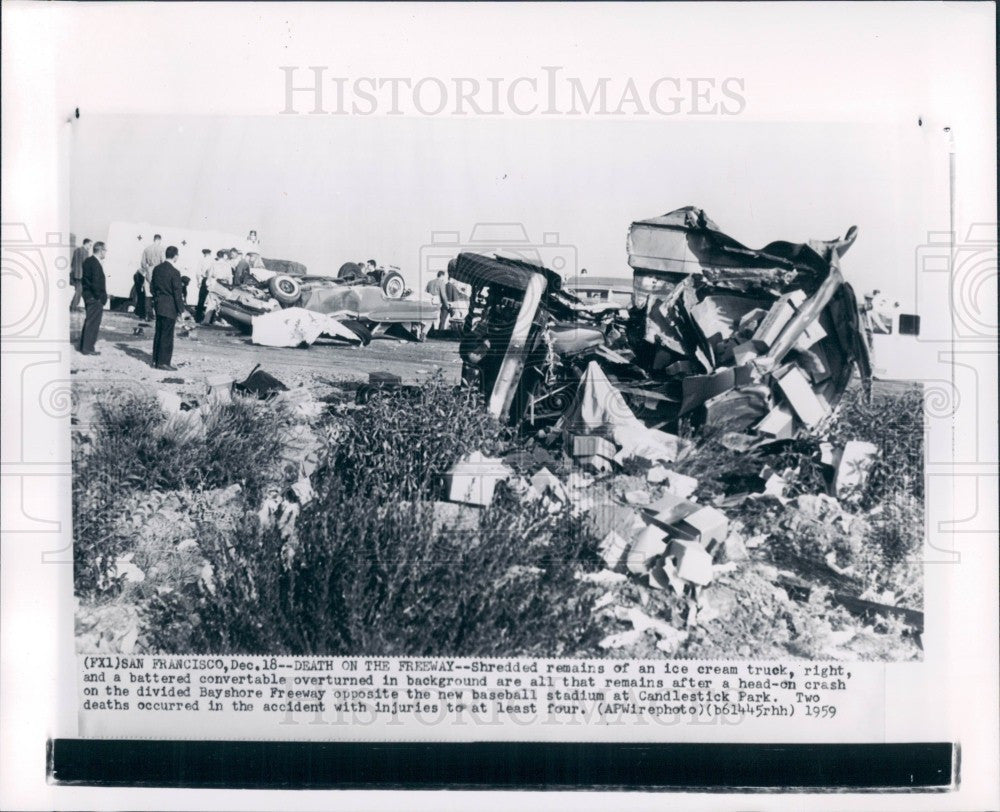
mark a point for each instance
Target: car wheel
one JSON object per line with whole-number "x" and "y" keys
{"x": 285, "y": 289}
{"x": 393, "y": 285}
{"x": 359, "y": 329}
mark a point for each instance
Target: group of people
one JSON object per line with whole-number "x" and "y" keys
{"x": 158, "y": 268}
{"x": 443, "y": 292}
{"x": 166, "y": 302}
{"x": 166, "y": 286}
{"x": 228, "y": 265}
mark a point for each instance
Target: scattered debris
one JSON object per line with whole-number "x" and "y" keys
{"x": 260, "y": 384}
{"x": 453, "y": 517}
{"x": 694, "y": 564}
{"x": 853, "y": 465}
{"x": 125, "y": 569}
{"x": 603, "y": 577}
{"x": 220, "y": 387}
{"x": 672, "y": 640}
{"x": 544, "y": 481}
{"x": 612, "y": 549}
{"x": 473, "y": 479}
{"x": 621, "y": 639}
{"x": 170, "y": 402}
{"x": 705, "y": 525}
{"x": 606, "y": 599}
{"x": 648, "y": 546}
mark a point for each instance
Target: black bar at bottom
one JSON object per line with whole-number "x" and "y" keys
{"x": 499, "y": 765}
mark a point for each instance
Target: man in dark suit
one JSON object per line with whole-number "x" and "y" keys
{"x": 95, "y": 295}
{"x": 168, "y": 302}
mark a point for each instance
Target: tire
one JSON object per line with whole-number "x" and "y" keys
{"x": 285, "y": 289}
{"x": 360, "y": 330}
{"x": 393, "y": 285}
{"x": 349, "y": 270}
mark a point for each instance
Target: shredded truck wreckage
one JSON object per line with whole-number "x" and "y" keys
{"x": 721, "y": 335}
{"x": 753, "y": 348}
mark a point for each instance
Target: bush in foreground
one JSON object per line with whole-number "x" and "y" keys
{"x": 136, "y": 447}
{"x": 371, "y": 568}
{"x": 369, "y": 578}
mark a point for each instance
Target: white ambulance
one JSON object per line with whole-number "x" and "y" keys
{"x": 126, "y": 241}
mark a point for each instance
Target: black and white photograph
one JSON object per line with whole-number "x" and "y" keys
{"x": 568, "y": 398}
{"x": 310, "y": 418}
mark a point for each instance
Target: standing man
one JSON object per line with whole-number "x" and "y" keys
{"x": 438, "y": 288}
{"x": 80, "y": 255}
{"x": 152, "y": 255}
{"x": 253, "y": 242}
{"x": 95, "y": 294}
{"x": 168, "y": 302}
{"x": 206, "y": 272}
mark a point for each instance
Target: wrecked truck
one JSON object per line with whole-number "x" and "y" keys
{"x": 761, "y": 341}
{"x": 519, "y": 328}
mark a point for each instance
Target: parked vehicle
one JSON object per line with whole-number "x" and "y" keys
{"x": 602, "y": 290}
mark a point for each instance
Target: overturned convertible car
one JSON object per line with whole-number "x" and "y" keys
{"x": 365, "y": 306}
{"x": 749, "y": 340}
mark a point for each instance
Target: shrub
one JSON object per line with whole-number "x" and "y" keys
{"x": 403, "y": 439}
{"x": 370, "y": 569}
{"x": 134, "y": 446}
{"x": 367, "y": 577}
{"x": 894, "y": 421}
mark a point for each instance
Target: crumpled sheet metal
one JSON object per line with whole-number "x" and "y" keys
{"x": 735, "y": 335}
{"x": 477, "y": 270}
{"x": 688, "y": 241}
{"x": 743, "y": 321}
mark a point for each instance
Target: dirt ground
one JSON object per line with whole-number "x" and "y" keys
{"x": 125, "y": 359}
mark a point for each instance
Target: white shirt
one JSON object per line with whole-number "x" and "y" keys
{"x": 206, "y": 269}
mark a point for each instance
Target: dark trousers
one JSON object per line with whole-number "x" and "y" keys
{"x": 163, "y": 341}
{"x": 91, "y": 325}
{"x": 138, "y": 295}
{"x": 77, "y": 294}
{"x": 199, "y": 311}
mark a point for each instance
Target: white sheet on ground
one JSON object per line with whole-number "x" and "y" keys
{"x": 295, "y": 326}
{"x": 599, "y": 408}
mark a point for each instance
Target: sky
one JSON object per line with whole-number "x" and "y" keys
{"x": 326, "y": 190}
